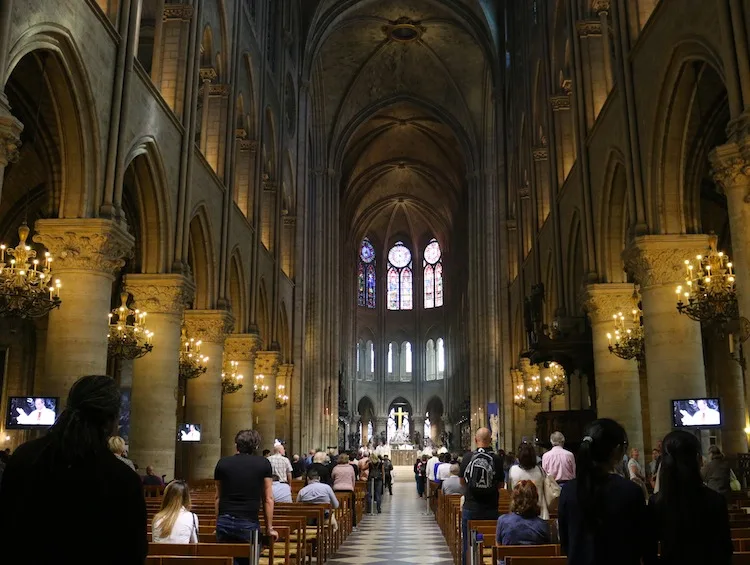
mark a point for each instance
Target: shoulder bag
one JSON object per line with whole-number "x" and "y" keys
{"x": 551, "y": 491}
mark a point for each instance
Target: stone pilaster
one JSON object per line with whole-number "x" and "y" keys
{"x": 153, "y": 428}
{"x": 618, "y": 393}
{"x": 267, "y": 364}
{"x": 204, "y": 393}
{"x": 87, "y": 253}
{"x": 673, "y": 342}
{"x": 283, "y": 420}
{"x": 237, "y": 408}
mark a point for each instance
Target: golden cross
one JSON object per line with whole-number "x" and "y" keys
{"x": 400, "y": 415}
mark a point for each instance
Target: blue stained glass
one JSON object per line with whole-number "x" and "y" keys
{"x": 361, "y": 296}
{"x": 371, "y": 286}
{"x": 367, "y": 251}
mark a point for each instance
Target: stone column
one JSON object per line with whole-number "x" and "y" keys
{"x": 237, "y": 408}
{"x": 153, "y": 405}
{"x": 379, "y": 425}
{"x": 267, "y": 364}
{"x": 284, "y": 377}
{"x": 204, "y": 393}
{"x": 618, "y": 393}
{"x": 726, "y": 374}
{"x": 417, "y": 426}
{"x": 87, "y": 253}
{"x": 674, "y": 347}
{"x": 532, "y": 408}
{"x": 10, "y": 138}
{"x": 354, "y": 429}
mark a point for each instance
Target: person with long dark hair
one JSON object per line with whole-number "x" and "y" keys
{"x": 69, "y": 492}
{"x": 689, "y": 519}
{"x": 602, "y": 516}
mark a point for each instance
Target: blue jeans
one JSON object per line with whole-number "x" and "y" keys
{"x": 466, "y": 515}
{"x": 230, "y": 529}
{"x": 378, "y": 485}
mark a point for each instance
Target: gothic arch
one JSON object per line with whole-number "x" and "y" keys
{"x": 201, "y": 258}
{"x": 285, "y": 335}
{"x": 264, "y": 324}
{"x": 574, "y": 263}
{"x": 238, "y": 292}
{"x": 614, "y": 216}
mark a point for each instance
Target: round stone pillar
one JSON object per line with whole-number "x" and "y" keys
{"x": 283, "y": 427}
{"x": 674, "y": 346}
{"x": 727, "y": 374}
{"x": 204, "y": 393}
{"x": 87, "y": 253}
{"x": 267, "y": 364}
{"x": 618, "y": 390}
{"x": 237, "y": 408}
{"x": 153, "y": 404}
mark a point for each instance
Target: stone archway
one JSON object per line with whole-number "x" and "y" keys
{"x": 366, "y": 411}
{"x": 433, "y": 420}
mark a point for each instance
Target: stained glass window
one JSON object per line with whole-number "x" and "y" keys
{"x": 366, "y": 275}
{"x": 390, "y": 358}
{"x": 400, "y": 278}
{"x": 407, "y": 361}
{"x": 440, "y": 358}
{"x": 433, "y": 275}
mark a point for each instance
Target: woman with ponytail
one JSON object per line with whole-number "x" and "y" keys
{"x": 689, "y": 519}
{"x": 65, "y": 498}
{"x": 602, "y": 516}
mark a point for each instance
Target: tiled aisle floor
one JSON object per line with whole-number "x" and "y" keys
{"x": 399, "y": 535}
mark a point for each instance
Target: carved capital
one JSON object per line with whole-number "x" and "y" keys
{"x": 208, "y": 74}
{"x": 524, "y": 192}
{"x": 241, "y": 347}
{"x": 512, "y": 225}
{"x": 289, "y": 221}
{"x": 211, "y": 326}
{"x": 182, "y": 12}
{"x": 267, "y": 362}
{"x": 586, "y": 28}
{"x": 656, "y": 260}
{"x": 240, "y": 133}
{"x": 600, "y": 6}
{"x": 164, "y": 294}
{"x": 560, "y": 102}
{"x": 10, "y": 137}
{"x": 91, "y": 244}
{"x": 540, "y": 153}
{"x": 286, "y": 371}
{"x": 729, "y": 168}
{"x": 249, "y": 145}
{"x": 268, "y": 184}
{"x": 601, "y": 301}
{"x": 219, "y": 90}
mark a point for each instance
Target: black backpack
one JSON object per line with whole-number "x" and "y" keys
{"x": 480, "y": 473}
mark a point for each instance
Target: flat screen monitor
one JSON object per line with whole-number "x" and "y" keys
{"x": 189, "y": 433}
{"x": 696, "y": 413}
{"x": 31, "y": 412}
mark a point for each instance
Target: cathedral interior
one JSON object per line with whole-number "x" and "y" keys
{"x": 350, "y": 221}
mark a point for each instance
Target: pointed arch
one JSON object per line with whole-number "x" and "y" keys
{"x": 264, "y": 322}
{"x": 201, "y": 258}
{"x": 238, "y": 292}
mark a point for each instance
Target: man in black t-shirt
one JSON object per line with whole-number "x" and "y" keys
{"x": 480, "y": 504}
{"x": 244, "y": 481}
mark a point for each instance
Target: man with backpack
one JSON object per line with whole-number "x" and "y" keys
{"x": 481, "y": 474}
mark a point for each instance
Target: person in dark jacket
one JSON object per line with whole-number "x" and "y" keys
{"x": 716, "y": 472}
{"x": 320, "y": 465}
{"x": 688, "y": 519}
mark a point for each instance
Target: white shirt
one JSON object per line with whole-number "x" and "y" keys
{"x": 431, "y": 467}
{"x": 282, "y": 492}
{"x": 443, "y": 471}
{"x": 516, "y": 474}
{"x": 185, "y": 529}
{"x": 280, "y": 466}
{"x": 40, "y": 417}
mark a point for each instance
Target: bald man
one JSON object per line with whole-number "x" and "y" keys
{"x": 481, "y": 475}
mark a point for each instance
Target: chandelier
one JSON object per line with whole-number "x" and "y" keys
{"x": 628, "y": 342}
{"x": 709, "y": 293}
{"x": 519, "y": 399}
{"x": 534, "y": 392}
{"x": 260, "y": 391}
{"x": 192, "y": 363}
{"x": 554, "y": 382}
{"x": 281, "y": 399}
{"x": 128, "y": 337}
{"x": 231, "y": 382}
{"x": 27, "y": 289}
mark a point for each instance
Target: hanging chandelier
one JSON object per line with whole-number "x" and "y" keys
{"x": 534, "y": 391}
{"x": 628, "y": 341}
{"x": 281, "y": 399}
{"x": 260, "y": 390}
{"x": 231, "y": 382}
{"x": 554, "y": 382}
{"x": 27, "y": 288}
{"x": 192, "y": 363}
{"x": 128, "y": 337}
{"x": 709, "y": 293}
{"x": 519, "y": 399}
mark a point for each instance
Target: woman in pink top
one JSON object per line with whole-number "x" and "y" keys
{"x": 344, "y": 479}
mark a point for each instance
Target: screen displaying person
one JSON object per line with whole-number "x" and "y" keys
{"x": 705, "y": 416}
{"x": 191, "y": 435}
{"x": 40, "y": 416}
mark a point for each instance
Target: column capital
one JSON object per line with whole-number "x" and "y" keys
{"x": 182, "y": 12}
{"x": 601, "y": 300}
{"x": 90, "y": 244}
{"x": 730, "y": 168}
{"x": 656, "y": 260}
{"x": 560, "y": 102}
{"x": 540, "y": 153}
{"x": 600, "y": 6}
{"x": 211, "y": 326}
{"x": 10, "y": 137}
{"x": 250, "y": 145}
{"x": 286, "y": 370}
{"x": 162, "y": 294}
{"x": 242, "y": 347}
{"x": 267, "y": 362}
{"x": 586, "y": 28}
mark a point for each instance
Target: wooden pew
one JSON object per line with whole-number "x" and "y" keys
{"x": 500, "y": 552}
{"x": 152, "y": 560}
{"x": 536, "y": 560}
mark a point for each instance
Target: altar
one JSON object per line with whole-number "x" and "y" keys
{"x": 405, "y": 457}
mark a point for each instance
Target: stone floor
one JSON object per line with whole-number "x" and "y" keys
{"x": 401, "y": 534}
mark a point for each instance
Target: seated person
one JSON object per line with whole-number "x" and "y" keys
{"x": 298, "y": 467}
{"x": 282, "y": 492}
{"x": 151, "y": 479}
{"x": 317, "y": 492}
{"x": 452, "y": 485}
{"x": 175, "y": 523}
{"x": 523, "y": 526}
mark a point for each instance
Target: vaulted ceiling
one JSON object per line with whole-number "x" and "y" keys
{"x": 401, "y": 89}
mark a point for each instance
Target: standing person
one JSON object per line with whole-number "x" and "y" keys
{"x": 388, "y": 470}
{"x": 635, "y": 471}
{"x": 298, "y": 467}
{"x": 420, "y": 474}
{"x": 558, "y": 461}
{"x": 282, "y": 492}
{"x": 689, "y": 519}
{"x": 653, "y": 466}
{"x": 244, "y": 481}
{"x": 717, "y": 471}
{"x": 602, "y": 515}
{"x": 70, "y": 489}
{"x": 375, "y": 482}
{"x": 444, "y": 469}
{"x": 175, "y": 523}
{"x": 528, "y": 470}
{"x": 280, "y": 464}
{"x": 344, "y": 480}
{"x": 319, "y": 464}
{"x": 117, "y": 446}
{"x": 482, "y": 475}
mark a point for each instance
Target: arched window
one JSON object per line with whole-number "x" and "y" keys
{"x": 366, "y": 275}
{"x": 360, "y": 360}
{"x": 393, "y": 365}
{"x": 440, "y": 354}
{"x": 370, "y": 361}
{"x": 433, "y": 275}
{"x": 430, "y": 373}
{"x": 406, "y": 362}
{"x": 399, "y": 278}
{"x": 435, "y": 358}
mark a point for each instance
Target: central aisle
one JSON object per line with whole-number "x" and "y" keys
{"x": 401, "y": 534}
